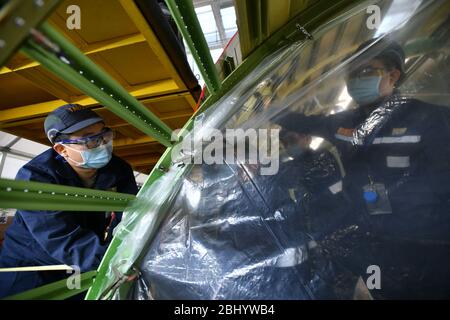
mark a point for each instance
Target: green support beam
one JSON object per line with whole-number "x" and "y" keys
{"x": 68, "y": 62}
{"x": 56, "y": 290}
{"x": 186, "y": 19}
{"x": 17, "y": 17}
{"x": 30, "y": 195}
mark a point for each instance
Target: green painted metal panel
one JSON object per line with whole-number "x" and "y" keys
{"x": 30, "y": 195}
{"x": 17, "y": 17}
{"x": 57, "y": 290}
{"x": 186, "y": 19}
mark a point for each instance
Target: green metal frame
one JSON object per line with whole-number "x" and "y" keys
{"x": 186, "y": 19}
{"x": 85, "y": 75}
{"x": 30, "y": 195}
{"x": 56, "y": 290}
{"x": 17, "y": 18}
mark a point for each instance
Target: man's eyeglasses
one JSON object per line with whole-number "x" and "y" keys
{"x": 93, "y": 141}
{"x": 367, "y": 71}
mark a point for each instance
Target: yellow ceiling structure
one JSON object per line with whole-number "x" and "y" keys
{"x": 118, "y": 38}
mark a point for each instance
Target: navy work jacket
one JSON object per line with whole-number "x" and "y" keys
{"x": 39, "y": 238}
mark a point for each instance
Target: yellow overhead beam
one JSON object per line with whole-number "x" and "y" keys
{"x": 117, "y": 143}
{"x": 43, "y": 108}
{"x": 138, "y": 19}
{"x": 90, "y": 49}
{"x": 142, "y": 160}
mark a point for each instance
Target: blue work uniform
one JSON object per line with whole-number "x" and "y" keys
{"x": 39, "y": 238}
{"x": 402, "y": 145}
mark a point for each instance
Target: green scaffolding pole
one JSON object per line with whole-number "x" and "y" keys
{"x": 17, "y": 17}
{"x": 186, "y": 19}
{"x": 78, "y": 70}
{"x": 30, "y": 195}
{"x": 57, "y": 290}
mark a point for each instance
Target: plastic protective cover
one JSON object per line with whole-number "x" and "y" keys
{"x": 359, "y": 205}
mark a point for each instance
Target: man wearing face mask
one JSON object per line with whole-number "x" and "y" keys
{"x": 395, "y": 152}
{"x": 81, "y": 157}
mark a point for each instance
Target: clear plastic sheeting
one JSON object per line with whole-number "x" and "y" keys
{"x": 359, "y": 207}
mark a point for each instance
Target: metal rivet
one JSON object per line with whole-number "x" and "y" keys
{"x": 20, "y": 22}
{"x": 64, "y": 59}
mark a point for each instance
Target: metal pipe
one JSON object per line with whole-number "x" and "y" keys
{"x": 186, "y": 19}
{"x": 17, "y": 17}
{"x": 31, "y": 195}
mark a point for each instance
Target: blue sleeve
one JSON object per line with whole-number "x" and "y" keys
{"x": 315, "y": 125}
{"x": 437, "y": 152}
{"x": 125, "y": 184}
{"x": 59, "y": 234}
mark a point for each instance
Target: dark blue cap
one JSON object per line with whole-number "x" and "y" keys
{"x": 68, "y": 119}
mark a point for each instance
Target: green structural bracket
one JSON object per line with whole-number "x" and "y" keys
{"x": 58, "y": 290}
{"x": 186, "y": 19}
{"x": 30, "y": 195}
{"x": 17, "y": 17}
{"x": 68, "y": 62}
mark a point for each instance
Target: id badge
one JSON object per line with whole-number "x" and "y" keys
{"x": 377, "y": 199}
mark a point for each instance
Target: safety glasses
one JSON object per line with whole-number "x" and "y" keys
{"x": 367, "y": 71}
{"x": 93, "y": 141}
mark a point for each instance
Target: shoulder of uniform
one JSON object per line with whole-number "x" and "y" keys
{"x": 40, "y": 168}
{"x": 118, "y": 162}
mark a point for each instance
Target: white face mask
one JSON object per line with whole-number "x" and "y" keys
{"x": 94, "y": 158}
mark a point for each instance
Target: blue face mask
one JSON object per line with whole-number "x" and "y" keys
{"x": 364, "y": 90}
{"x": 94, "y": 158}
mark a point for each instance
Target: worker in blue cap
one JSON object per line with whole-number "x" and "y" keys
{"x": 81, "y": 157}
{"x": 395, "y": 152}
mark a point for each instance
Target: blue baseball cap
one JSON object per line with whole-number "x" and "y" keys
{"x": 68, "y": 119}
